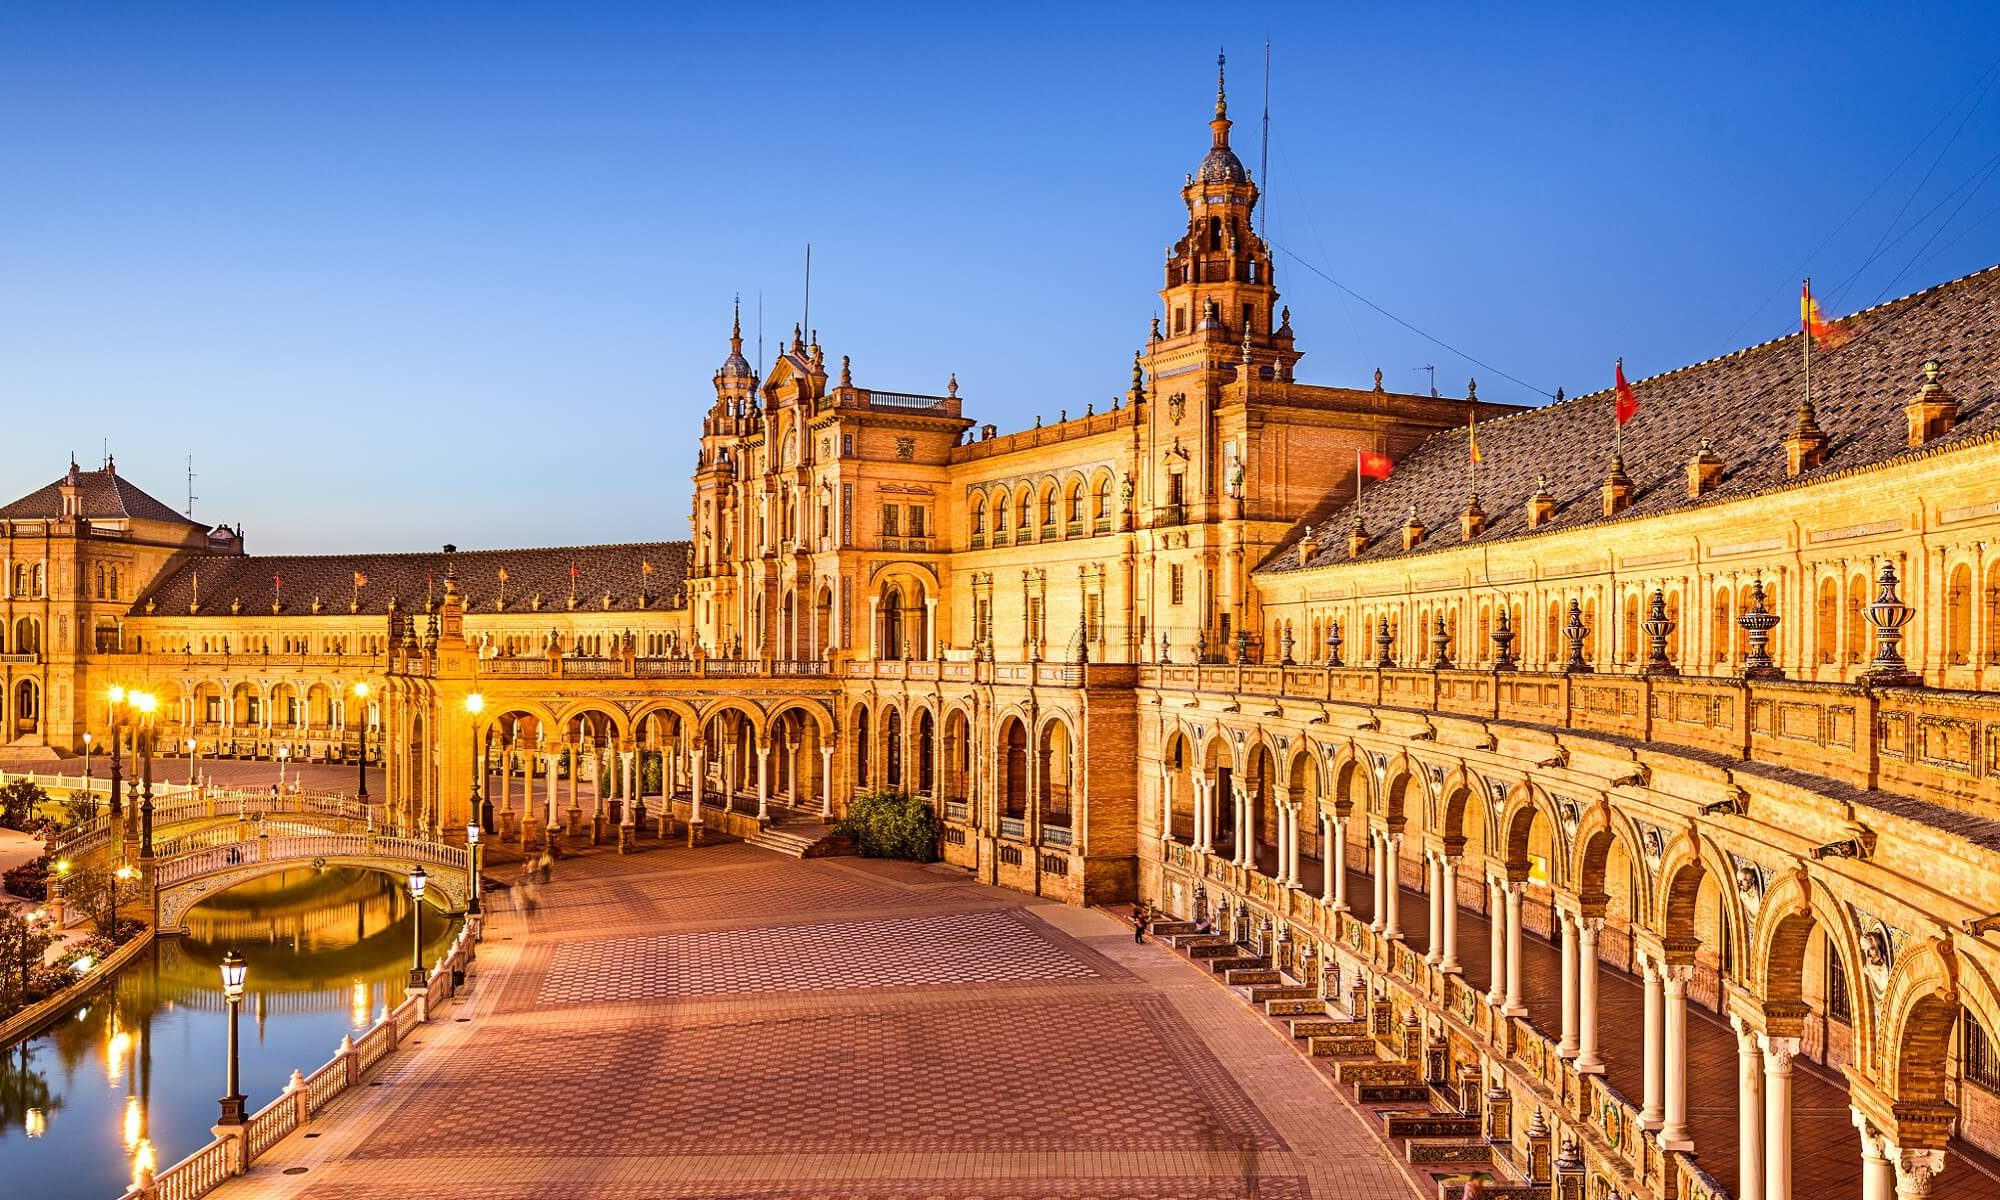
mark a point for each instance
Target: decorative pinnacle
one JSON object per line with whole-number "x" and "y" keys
{"x": 736, "y": 326}
{"x": 1221, "y": 97}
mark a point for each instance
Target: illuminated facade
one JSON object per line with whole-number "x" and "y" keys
{"x": 1646, "y": 703}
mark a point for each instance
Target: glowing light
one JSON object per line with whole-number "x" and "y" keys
{"x": 144, "y": 1162}
{"x": 134, "y": 1125}
{"x": 116, "y": 695}
{"x": 361, "y": 1006}
{"x": 36, "y": 1123}
{"x": 82, "y": 965}
{"x": 115, "y": 1053}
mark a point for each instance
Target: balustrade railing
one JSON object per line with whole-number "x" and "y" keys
{"x": 231, "y": 1153}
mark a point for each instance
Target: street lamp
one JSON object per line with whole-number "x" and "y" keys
{"x": 284, "y": 756}
{"x": 482, "y": 810}
{"x": 361, "y": 760}
{"x": 115, "y": 703}
{"x": 418, "y": 878}
{"x": 472, "y": 832}
{"x": 145, "y": 703}
{"x": 191, "y": 747}
{"x": 234, "y": 969}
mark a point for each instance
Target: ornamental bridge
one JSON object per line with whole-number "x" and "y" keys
{"x": 180, "y": 882}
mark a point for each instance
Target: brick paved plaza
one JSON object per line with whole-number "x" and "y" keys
{"x": 726, "y": 1022}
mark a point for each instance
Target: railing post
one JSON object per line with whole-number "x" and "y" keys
{"x": 235, "y": 1146}
{"x": 352, "y": 1061}
{"x": 295, "y": 1087}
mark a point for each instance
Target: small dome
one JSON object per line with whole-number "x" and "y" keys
{"x": 735, "y": 366}
{"x": 1222, "y": 166}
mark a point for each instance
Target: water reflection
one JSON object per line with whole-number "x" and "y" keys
{"x": 131, "y": 1079}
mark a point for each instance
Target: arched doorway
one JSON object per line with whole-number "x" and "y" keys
{"x": 1013, "y": 772}
{"x": 27, "y": 708}
{"x": 1058, "y": 763}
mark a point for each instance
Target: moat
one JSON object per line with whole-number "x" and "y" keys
{"x": 133, "y": 1075}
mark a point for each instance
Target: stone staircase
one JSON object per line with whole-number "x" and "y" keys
{"x": 1422, "y": 1121}
{"x": 801, "y": 838}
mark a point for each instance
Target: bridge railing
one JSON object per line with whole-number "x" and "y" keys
{"x": 232, "y": 1152}
{"x": 303, "y": 847}
{"x": 180, "y": 804}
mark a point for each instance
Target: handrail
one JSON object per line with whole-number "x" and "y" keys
{"x": 304, "y": 846}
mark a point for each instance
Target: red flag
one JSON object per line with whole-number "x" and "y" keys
{"x": 278, "y": 582}
{"x": 1628, "y": 400}
{"x": 1373, "y": 464}
{"x": 1824, "y": 333}
{"x": 572, "y": 570}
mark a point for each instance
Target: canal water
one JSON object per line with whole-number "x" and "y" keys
{"x": 134, "y": 1074}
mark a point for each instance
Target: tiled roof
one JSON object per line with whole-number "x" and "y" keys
{"x": 106, "y": 497}
{"x": 1745, "y": 403}
{"x": 410, "y": 578}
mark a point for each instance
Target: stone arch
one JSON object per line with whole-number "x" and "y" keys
{"x": 1011, "y": 762}
{"x": 1463, "y": 793}
{"x": 1792, "y": 906}
{"x": 1526, "y": 805}
{"x": 1178, "y": 761}
{"x": 1919, "y": 1012}
{"x": 1603, "y": 835}
{"x": 664, "y": 707}
{"x": 574, "y": 717}
{"x": 1056, "y": 748}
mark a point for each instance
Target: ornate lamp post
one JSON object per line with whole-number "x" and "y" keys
{"x": 115, "y": 702}
{"x": 482, "y": 809}
{"x": 418, "y": 878}
{"x": 234, "y": 970}
{"x": 472, "y": 913}
{"x": 86, "y": 760}
{"x": 361, "y": 759}
{"x": 145, "y": 703}
{"x": 118, "y": 880}
{"x": 192, "y": 746}
{"x": 284, "y": 756}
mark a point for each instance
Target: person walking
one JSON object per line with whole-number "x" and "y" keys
{"x": 1140, "y": 919}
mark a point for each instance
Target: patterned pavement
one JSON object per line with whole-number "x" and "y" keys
{"x": 724, "y": 1022}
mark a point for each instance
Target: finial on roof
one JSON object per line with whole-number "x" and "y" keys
{"x": 1559, "y": 395}
{"x": 1246, "y": 344}
{"x": 1221, "y": 94}
{"x": 846, "y": 373}
{"x": 1472, "y": 390}
{"x": 951, "y": 388}
{"x": 1156, "y": 329}
{"x": 798, "y": 338}
{"x": 736, "y": 325}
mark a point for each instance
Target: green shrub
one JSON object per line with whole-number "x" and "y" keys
{"x": 891, "y": 825}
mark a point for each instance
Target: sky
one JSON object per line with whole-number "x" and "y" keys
{"x": 400, "y": 275}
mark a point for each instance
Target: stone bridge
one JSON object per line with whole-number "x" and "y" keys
{"x": 179, "y": 883}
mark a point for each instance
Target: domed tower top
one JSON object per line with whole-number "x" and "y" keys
{"x": 735, "y": 366}
{"x": 1221, "y": 165}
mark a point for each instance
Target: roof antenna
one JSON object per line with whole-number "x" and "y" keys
{"x": 191, "y": 496}
{"x": 1433, "y": 372}
{"x": 106, "y": 454}
{"x": 1264, "y": 155}
{"x": 760, "y": 329}
{"x": 808, "y": 322}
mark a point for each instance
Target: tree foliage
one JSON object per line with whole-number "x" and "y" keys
{"x": 19, "y": 803}
{"x": 892, "y": 825}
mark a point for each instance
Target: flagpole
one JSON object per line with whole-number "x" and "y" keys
{"x": 1357, "y": 483}
{"x": 1805, "y": 329}
{"x": 1616, "y": 424}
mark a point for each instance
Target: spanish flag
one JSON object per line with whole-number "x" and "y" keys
{"x": 360, "y": 580}
{"x": 645, "y": 568}
{"x": 1824, "y": 333}
{"x": 1472, "y": 439}
{"x": 503, "y": 574}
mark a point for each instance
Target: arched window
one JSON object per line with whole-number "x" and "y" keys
{"x": 979, "y": 517}
{"x": 1826, "y": 617}
{"x": 1958, "y": 617}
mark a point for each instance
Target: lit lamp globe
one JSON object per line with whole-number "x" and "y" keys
{"x": 235, "y": 969}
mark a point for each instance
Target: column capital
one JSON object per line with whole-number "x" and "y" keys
{"x": 1678, "y": 976}
{"x": 1915, "y": 1169}
{"x": 1778, "y": 1053}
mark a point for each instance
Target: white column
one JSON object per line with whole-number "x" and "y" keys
{"x": 763, "y": 782}
{"x": 1749, "y": 1111}
{"x": 1674, "y": 1126}
{"x": 1587, "y": 1059}
{"x": 1654, "y": 1044}
{"x": 1392, "y": 923}
{"x": 1166, "y": 804}
{"x": 1337, "y": 862}
{"x": 1778, "y": 1052}
{"x": 1496, "y": 940}
{"x": 1379, "y": 910}
{"x": 1448, "y": 869}
{"x": 1915, "y": 1170}
{"x": 930, "y": 628}
{"x": 1292, "y": 850}
{"x": 1567, "y": 919}
{"x": 1246, "y": 829}
{"x": 826, "y": 781}
{"x": 1515, "y": 1006}
{"x": 1433, "y": 910}
{"x": 697, "y": 776}
{"x": 628, "y": 814}
{"x": 874, "y": 627}
{"x": 1878, "y": 1174}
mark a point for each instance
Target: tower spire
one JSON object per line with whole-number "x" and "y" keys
{"x": 736, "y": 326}
{"x": 1220, "y": 125}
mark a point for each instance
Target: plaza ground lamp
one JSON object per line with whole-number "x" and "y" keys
{"x": 145, "y": 703}
{"x": 361, "y": 760}
{"x": 234, "y": 970}
{"x": 418, "y": 878}
{"x": 284, "y": 756}
{"x": 482, "y": 810}
{"x": 472, "y": 832}
{"x": 191, "y": 747}
{"x": 86, "y": 760}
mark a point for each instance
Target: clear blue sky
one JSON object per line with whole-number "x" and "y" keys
{"x": 403, "y": 277}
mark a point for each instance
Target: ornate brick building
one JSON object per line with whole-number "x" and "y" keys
{"x": 1708, "y": 710}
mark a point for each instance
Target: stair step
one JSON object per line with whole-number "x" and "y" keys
{"x": 1240, "y": 962}
{"x": 1167, "y": 929}
{"x": 1218, "y": 948}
